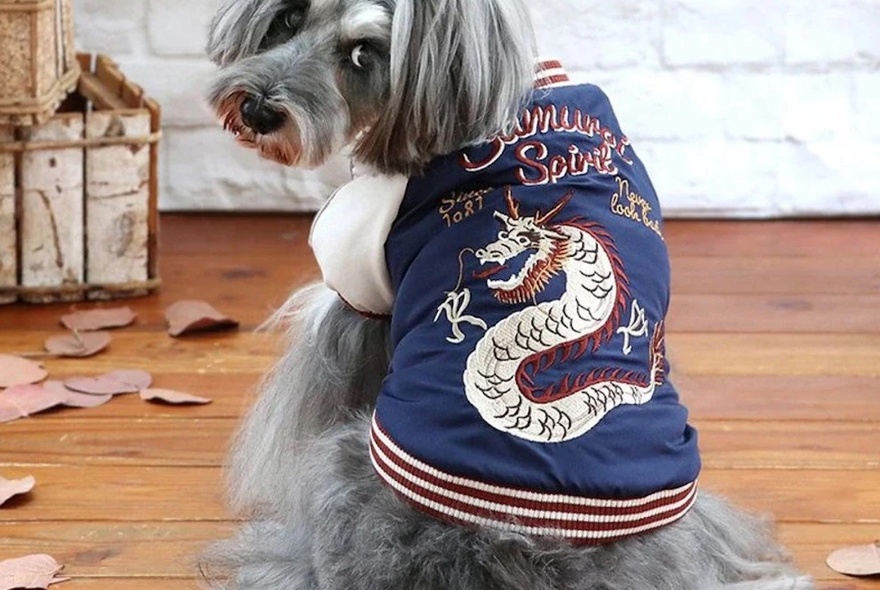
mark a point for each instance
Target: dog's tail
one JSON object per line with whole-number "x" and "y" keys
{"x": 332, "y": 366}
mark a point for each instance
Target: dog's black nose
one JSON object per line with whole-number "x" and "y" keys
{"x": 259, "y": 116}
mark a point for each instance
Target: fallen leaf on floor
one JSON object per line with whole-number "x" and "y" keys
{"x": 172, "y": 397}
{"x": 185, "y": 317}
{"x": 9, "y": 488}
{"x": 78, "y": 345}
{"x": 99, "y": 319}
{"x": 75, "y": 399}
{"x": 9, "y": 412}
{"x": 99, "y": 386}
{"x": 862, "y": 560}
{"x": 32, "y": 399}
{"x": 31, "y": 572}
{"x": 133, "y": 377}
{"x": 15, "y": 370}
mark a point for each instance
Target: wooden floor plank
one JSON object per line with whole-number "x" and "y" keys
{"x": 95, "y": 493}
{"x": 803, "y": 314}
{"x": 775, "y": 276}
{"x": 798, "y": 239}
{"x": 109, "y": 549}
{"x": 793, "y": 355}
{"x": 231, "y": 353}
{"x": 790, "y": 445}
{"x": 773, "y": 397}
{"x": 774, "y": 336}
{"x": 231, "y": 395}
{"x": 141, "y": 442}
{"x": 99, "y": 492}
{"x": 694, "y": 354}
{"x": 151, "y": 583}
{"x": 170, "y": 550}
{"x": 176, "y": 584}
{"x": 160, "y": 442}
{"x": 709, "y": 397}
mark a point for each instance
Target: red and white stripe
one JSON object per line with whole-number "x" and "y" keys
{"x": 550, "y": 73}
{"x": 578, "y": 519}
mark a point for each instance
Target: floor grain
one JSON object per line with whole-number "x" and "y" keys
{"x": 774, "y": 334}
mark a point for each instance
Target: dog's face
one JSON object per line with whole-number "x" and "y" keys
{"x": 300, "y": 77}
{"x": 404, "y": 80}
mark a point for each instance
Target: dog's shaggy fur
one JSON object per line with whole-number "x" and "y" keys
{"x": 406, "y": 80}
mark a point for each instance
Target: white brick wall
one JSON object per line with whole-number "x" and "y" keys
{"x": 742, "y": 108}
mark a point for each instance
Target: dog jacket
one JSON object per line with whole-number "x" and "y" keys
{"x": 527, "y": 280}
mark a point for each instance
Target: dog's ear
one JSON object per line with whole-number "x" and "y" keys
{"x": 238, "y": 29}
{"x": 461, "y": 70}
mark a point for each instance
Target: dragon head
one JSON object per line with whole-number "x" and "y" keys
{"x": 548, "y": 249}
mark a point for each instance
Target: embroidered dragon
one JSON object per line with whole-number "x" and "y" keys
{"x": 507, "y": 374}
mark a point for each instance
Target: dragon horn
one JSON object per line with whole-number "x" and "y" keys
{"x": 512, "y": 205}
{"x": 556, "y": 210}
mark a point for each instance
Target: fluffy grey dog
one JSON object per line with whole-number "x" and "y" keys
{"x": 403, "y": 81}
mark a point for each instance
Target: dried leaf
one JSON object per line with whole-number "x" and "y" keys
{"x": 99, "y": 319}
{"x": 133, "y": 377}
{"x": 15, "y": 370}
{"x": 78, "y": 345}
{"x": 99, "y": 386}
{"x": 32, "y": 399}
{"x": 185, "y": 317}
{"x": 31, "y": 572}
{"x": 172, "y": 397}
{"x": 75, "y": 399}
{"x": 9, "y": 488}
{"x": 863, "y": 560}
{"x": 9, "y": 412}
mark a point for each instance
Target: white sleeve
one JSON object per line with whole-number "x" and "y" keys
{"x": 348, "y": 238}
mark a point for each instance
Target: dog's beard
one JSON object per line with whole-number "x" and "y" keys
{"x": 283, "y": 146}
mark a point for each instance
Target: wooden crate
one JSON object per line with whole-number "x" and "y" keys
{"x": 38, "y": 68}
{"x": 79, "y": 195}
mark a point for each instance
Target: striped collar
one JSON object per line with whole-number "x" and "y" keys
{"x": 550, "y": 73}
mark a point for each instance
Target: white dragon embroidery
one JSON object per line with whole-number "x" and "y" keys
{"x": 502, "y": 379}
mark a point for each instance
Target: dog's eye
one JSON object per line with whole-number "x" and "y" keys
{"x": 360, "y": 56}
{"x": 293, "y": 19}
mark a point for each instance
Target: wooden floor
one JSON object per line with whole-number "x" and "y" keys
{"x": 774, "y": 336}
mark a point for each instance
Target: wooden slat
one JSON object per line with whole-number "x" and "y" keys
{"x": 109, "y": 549}
{"x": 51, "y": 227}
{"x": 777, "y": 354}
{"x": 176, "y": 584}
{"x": 776, "y": 276}
{"x": 170, "y": 550}
{"x": 172, "y": 584}
{"x": 794, "y": 397}
{"x": 94, "y": 493}
{"x": 96, "y": 91}
{"x": 777, "y": 362}
{"x": 117, "y": 201}
{"x": 228, "y": 353}
{"x": 81, "y": 441}
{"x": 253, "y": 287}
{"x": 804, "y": 314}
{"x": 271, "y": 233}
{"x": 231, "y": 395}
{"x": 277, "y": 235}
{"x": 797, "y": 239}
{"x": 694, "y": 354}
{"x": 8, "y": 229}
{"x": 147, "y": 442}
{"x": 193, "y": 494}
{"x": 790, "y": 445}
